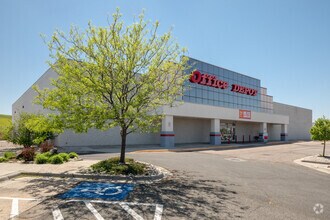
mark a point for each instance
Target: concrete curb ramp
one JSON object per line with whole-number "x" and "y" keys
{"x": 319, "y": 166}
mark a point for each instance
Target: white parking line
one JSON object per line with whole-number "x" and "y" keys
{"x": 14, "y": 204}
{"x": 57, "y": 215}
{"x": 158, "y": 212}
{"x": 125, "y": 206}
{"x": 130, "y": 211}
{"x": 14, "y": 208}
{"x": 112, "y": 202}
{"x": 26, "y": 199}
{"x": 235, "y": 159}
{"x": 93, "y": 210}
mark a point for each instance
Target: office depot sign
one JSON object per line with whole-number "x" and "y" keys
{"x": 212, "y": 81}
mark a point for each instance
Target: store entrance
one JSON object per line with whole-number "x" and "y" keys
{"x": 228, "y": 132}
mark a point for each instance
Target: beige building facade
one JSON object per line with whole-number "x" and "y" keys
{"x": 218, "y": 106}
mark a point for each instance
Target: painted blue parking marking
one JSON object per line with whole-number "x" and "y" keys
{"x": 95, "y": 190}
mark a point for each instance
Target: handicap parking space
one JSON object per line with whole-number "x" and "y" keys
{"x": 101, "y": 209}
{"x": 61, "y": 198}
{"x": 179, "y": 197}
{"x": 99, "y": 190}
{"x": 103, "y": 201}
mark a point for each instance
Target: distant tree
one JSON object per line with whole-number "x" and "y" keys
{"x": 114, "y": 76}
{"x": 42, "y": 128}
{"x": 4, "y": 129}
{"x": 321, "y": 131}
{"x": 29, "y": 129}
{"x": 5, "y": 122}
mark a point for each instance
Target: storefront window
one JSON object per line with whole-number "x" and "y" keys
{"x": 224, "y": 97}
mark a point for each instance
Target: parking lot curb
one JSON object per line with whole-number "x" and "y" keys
{"x": 310, "y": 161}
{"x": 312, "y": 165}
{"x": 9, "y": 176}
{"x": 162, "y": 173}
{"x": 95, "y": 176}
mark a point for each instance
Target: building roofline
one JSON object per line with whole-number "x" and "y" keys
{"x": 292, "y": 106}
{"x": 31, "y": 86}
{"x": 224, "y": 68}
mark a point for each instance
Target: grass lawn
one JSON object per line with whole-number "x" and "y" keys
{"x": 5, "y": 121}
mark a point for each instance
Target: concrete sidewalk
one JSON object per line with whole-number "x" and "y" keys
{"x": 157, "y": 148}
{"x": 71, "y": 167}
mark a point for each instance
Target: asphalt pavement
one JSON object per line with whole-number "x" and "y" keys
{"x": 249, "y": 183}
{"x": 264, "y": 184}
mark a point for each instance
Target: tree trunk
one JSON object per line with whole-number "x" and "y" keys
{"x": 324, "y": 148}
{"x": 123, "y": 146}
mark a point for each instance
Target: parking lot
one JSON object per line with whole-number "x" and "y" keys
{"x": 254, "y": 183}
{"x": 175, "y": 198}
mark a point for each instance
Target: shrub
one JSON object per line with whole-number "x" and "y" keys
{"x": 29, "y": 129}
{"x": 9, "y": 155}
{"x": 41, "y": 159}
{"x": 46, "y": 146}
{"x": 64, "y": 156}
{"x": 113, "y": 166}
{"x": 48, "y": 154}
{"x": 73, "y": 155}
{"x": 3, "y": 159}
{"x": 28, "y": 153}
{"x": 55, "y": 159}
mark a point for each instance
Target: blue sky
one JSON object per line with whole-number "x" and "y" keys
{"x": 285, "y": 44}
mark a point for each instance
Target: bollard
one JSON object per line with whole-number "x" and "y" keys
{"x": 249, "y": 138}
{"x": 243, "y": 138}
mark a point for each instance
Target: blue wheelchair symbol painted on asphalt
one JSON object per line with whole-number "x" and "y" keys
{"x": 94, "y": 190}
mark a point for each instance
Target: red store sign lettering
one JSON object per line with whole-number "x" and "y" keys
{"x": 212, "y": 81}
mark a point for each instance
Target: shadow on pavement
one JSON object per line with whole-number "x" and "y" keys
{"x": 188, "y": 198}
{"x": 183, "y": 196}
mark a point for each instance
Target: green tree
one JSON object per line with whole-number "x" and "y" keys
{"x": 321, "y": 131}
{"x": 114, "y": 76}
{"x": 42, "y": 128}
{"x": 29, "y": 129}
{"x": 5, "y": 123}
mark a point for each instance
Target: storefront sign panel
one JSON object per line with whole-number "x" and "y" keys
{"x": 212, "y": 81}
{"x": 245, "y": 114}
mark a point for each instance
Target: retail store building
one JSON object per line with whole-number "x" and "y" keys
{"x": 219, "y": 106}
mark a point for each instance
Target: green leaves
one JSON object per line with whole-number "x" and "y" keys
{"x": 30, "y": 129}
{"x": 321, "y": 129}
{"x": 113, "y": 76}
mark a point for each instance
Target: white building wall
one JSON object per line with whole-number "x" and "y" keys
{"x": 25, "y": 102}
{"x": 300, "y": 120}
{"x": 110, "y": 137}
{"x": 192, "y": 122}
{"x": 274, "y": 132}
{"x": 94, "y": 137}
{"x": 192, "y": 130}
{"x": 207, "y": 111}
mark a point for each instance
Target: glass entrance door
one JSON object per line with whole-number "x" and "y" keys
{"x": 228, "y": 132}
